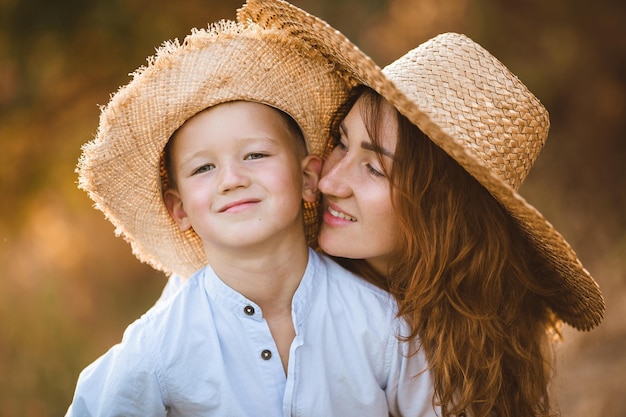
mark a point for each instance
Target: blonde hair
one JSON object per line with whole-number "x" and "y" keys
{"x": 467, "y": 281}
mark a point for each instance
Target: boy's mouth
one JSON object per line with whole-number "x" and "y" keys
{"x": 239, "y": 205}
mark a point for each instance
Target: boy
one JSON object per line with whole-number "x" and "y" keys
{"x": 201, "y": 165}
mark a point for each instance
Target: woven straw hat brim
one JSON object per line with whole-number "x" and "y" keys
{"x": 120, "y": 168}
{"x": 478, "y": 112}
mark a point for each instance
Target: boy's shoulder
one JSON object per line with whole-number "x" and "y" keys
{"x": 165, "y": 325}
{"x": 353, "y": 304}
{"x": 178, "y": 290}
{"x": 178, "y": 299}
{"x": 333, "y": 269}
{"x": 344, "y": 281}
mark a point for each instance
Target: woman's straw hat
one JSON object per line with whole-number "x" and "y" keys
{"x": 121, "y": 167}
{"x": 478, "y": 112}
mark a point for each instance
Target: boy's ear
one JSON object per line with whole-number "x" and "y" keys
{"x": 175, "y": 207}
{"x": 311, "y": 171}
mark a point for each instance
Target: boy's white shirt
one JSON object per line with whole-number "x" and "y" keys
{"x": 173, "y": 284}
{"x": 200, "y": 352}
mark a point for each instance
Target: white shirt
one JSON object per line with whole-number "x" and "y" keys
{"x": 207, "y": 351}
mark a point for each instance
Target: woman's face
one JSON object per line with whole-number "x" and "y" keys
{"x": 358, "y": 220}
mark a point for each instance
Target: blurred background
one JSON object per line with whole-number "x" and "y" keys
{"x": 69, "y": 287}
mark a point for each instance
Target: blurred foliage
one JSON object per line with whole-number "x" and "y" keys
{"x": 70, "y": 287}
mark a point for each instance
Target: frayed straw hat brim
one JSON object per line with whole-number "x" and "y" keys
{"x": 121, "y": 167}
{"x": 478, "y": 112}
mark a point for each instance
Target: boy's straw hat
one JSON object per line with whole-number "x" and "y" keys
{"x": 120, "y": 168}
{"x": 478, "y": 112}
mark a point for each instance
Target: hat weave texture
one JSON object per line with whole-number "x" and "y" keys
{"x": 121, "y": 168}
{"x": 470, "y": 105}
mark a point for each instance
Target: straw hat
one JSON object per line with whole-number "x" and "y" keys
{"x": 470, "y": 105}
{"x": 120, "y": 168}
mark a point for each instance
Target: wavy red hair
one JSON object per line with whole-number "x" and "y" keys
{"x": 467, "y": 281}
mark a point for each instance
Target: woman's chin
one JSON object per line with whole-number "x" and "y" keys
{"x": 331, "y": 244}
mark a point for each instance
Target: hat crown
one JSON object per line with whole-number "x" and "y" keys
{"x": 476, "y": 101}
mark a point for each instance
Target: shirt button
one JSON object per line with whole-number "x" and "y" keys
{"x": 249, "y": 310}
{"x": 266, "y": 355}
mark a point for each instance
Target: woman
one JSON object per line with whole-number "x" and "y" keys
{"x": 420, "y": 197}
{"x": 457, "y": 264}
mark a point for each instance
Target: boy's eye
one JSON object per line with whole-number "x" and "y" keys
{"x": 204, "y": 168}
{"x": 255, "y": 155}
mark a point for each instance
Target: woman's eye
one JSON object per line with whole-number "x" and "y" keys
{"x": 204, "y": 168}
{"x": 374, "y": 171}
{"x": 339, "y": 144}
{"x": 255, "y": 155}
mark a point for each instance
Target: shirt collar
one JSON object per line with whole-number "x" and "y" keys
{"x": 239, "y": 305}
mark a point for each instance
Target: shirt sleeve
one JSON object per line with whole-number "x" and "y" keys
{"x": 122, "y": 382}
{"x": 409, "y": 387}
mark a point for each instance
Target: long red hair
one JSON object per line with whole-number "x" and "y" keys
{"x": 466, "y": 280}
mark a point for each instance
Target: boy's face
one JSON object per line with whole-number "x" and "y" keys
{"x": 239, "y": 181}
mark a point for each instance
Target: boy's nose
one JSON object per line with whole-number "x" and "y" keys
{"x": 232, "y": 176}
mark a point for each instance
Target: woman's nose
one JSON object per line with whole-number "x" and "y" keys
{"x": 335, "y": 178}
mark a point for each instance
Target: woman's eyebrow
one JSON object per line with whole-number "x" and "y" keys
{"x": 368, "y": 146}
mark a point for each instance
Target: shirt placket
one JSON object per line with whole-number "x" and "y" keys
{"x": 265, "y": 353}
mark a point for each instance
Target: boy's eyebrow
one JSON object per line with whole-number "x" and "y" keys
{"x": 261, "y": 137}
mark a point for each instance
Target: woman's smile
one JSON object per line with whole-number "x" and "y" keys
{"x": 331, "y": 215}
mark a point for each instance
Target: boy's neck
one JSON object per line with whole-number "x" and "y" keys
{"x": 268, "y": 278}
